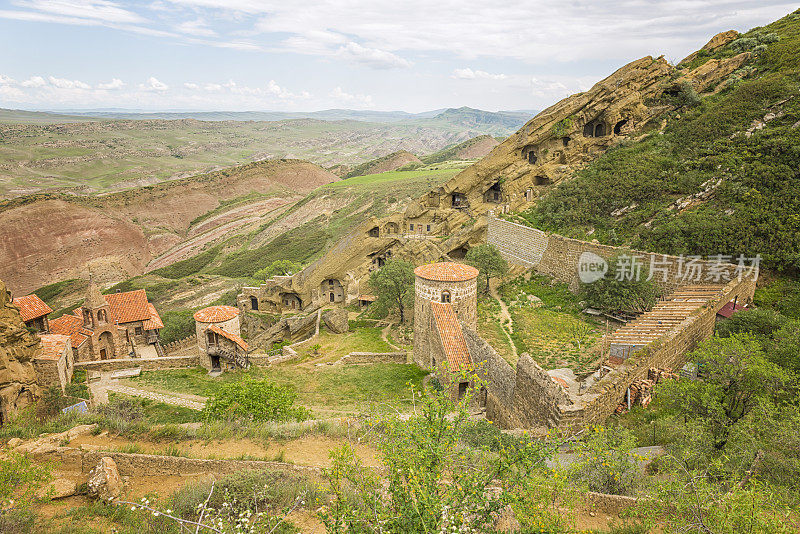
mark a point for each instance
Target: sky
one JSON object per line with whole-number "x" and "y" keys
{"x": 411, "y": 55}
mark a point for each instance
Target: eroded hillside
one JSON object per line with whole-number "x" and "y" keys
{"x": 50, "y": 238}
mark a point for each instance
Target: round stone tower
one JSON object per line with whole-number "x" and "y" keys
{"x": 446, "y": 283}
{"x": 223, "y": 317}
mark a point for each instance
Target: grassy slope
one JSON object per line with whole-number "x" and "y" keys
{"x": 340, "y": 387}
{"x": 753, "y": 211}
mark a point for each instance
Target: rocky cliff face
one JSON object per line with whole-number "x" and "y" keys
{"x": 18, "y": 387}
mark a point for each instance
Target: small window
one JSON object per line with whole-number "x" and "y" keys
{"x": 411, "y": 227}
{"x": 138, "y": 330}
{"x": 254, "y": 303}
{"x": 428, "y": 228}
{"x": 445, "y": 296}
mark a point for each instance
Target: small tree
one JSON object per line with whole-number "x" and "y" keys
{"x": 394, "y": 285}
{"x": 278, "y": 268}
{"x": 624, "y": 287}
{"x": 487, "y": 259}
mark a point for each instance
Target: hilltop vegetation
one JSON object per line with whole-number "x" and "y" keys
{"x": 389, "y": 162}
{"x": 474, "y": 148}
{"x": 722, "y": 177}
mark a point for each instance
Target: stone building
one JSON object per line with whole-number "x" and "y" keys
{"x": 34, "y": 312}
{"x": 445, "y": 296}
{"x": 54, "y": 361}
{"x": 118, "y": 325}
{"x": 218, "y": 339}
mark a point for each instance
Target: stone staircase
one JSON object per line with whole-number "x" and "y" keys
{"x": 665, "y": 316}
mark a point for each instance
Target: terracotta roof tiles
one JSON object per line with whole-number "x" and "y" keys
{"x": 216, "y": 314}
{"x": 72, "y": 326}
{"x": 53, "y": 346}
{"x": 452, "y": 336}
{"x": 446, "y": 272}
{"x": 233, "y": 337}
{"x": 31, "y": 307}
{"x": 154, "y": 322}
{"x": 129, "y": 306}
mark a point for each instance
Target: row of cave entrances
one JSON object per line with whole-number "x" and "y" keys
{"x": 591, "y": 129}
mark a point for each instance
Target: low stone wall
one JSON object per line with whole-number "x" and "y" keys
{"x": 375, "y": 357}
{"x": 145, "y": 465}
{"x": 146, "y": 364}
{"x": 181, "y": 346}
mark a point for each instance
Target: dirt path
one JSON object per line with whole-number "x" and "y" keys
{"x": 505, "y": 317}
{"x": 173, "y": 400}
{"x": 385, "y": 337}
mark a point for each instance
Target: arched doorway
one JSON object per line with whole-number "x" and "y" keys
{"x": 106, "y": 346}
{"x": 254, "y": 303}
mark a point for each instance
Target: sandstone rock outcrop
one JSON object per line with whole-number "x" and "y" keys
{"x": 716, "y": 42}
{"x": 57, "y": 489}
{"x": 336, "y": 320}
{"x": 104, "y": 480}
{"x": 18, "y": 387}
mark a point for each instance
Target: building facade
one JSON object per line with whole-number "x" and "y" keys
{"x": 219, "y": 339}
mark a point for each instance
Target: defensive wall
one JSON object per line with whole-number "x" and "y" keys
{"x": 559, "y": 257}
{"x": 528, "y": 397}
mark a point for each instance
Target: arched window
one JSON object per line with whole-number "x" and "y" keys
{"x": 445, "y": 296}
{"x": 101, "y": 316}
{"x": 600, "y": 130}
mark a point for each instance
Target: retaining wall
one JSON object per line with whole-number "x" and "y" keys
{"x": 375, "y": 357}
{"x": 146, "y": 364}
{"x": 181, "y": 346}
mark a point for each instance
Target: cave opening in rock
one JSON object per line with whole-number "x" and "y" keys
{"x": 565, "y": 140}
{"x": 600, "y": 130}
{"x": 543, "y": 180}
{"x": 618, "y": 127}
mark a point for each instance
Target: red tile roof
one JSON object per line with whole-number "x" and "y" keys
{"x": 233, "y": 337}
{"x": 452, "y": 336}
{"x": 129, "y": 306}
{"x": 31, "y": 307}
{"x": 216, "y": 314}
{"x": 446, "y": 272}
{"x": 53, "y": 346}
{"x": 154, "y": 322}
{"x": 72, "y": 326}
{"x": 368, "y": 298}
{"x": 729, "y": 309}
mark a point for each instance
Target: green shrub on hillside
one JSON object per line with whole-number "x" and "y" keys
{"x": 255, "y": 400}
{"x": 188, "y": 266}
{"x": 178, "y": 324}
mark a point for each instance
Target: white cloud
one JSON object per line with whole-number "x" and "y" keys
{"x": 153, "y": 84}
{"x": 372, "y": 57}
{"x": 63, "y": 83}
{"x": 357, "y": 100}
{"x": 113, "y": 85}
{"x": 92, "y": 9}
{"x": 196, "y": 27}
{"x": 469, "y": 74}
{"x": 34, "y": 81}
{"x": 6, "y": 80}
{"x": 192, "y": 86}
{"x": 212, "y": 87}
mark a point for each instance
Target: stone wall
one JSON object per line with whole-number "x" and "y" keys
{"x": 499, "y": 376}
{"x": 185, "y": 346}
{"x": 558, "y": 256}
{"x": 669, "y": 351}
{"x": 374, "y": 357}
{"x": 146, "y": 364}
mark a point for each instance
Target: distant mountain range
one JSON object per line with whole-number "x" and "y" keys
{"x": 506, "y": 121}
